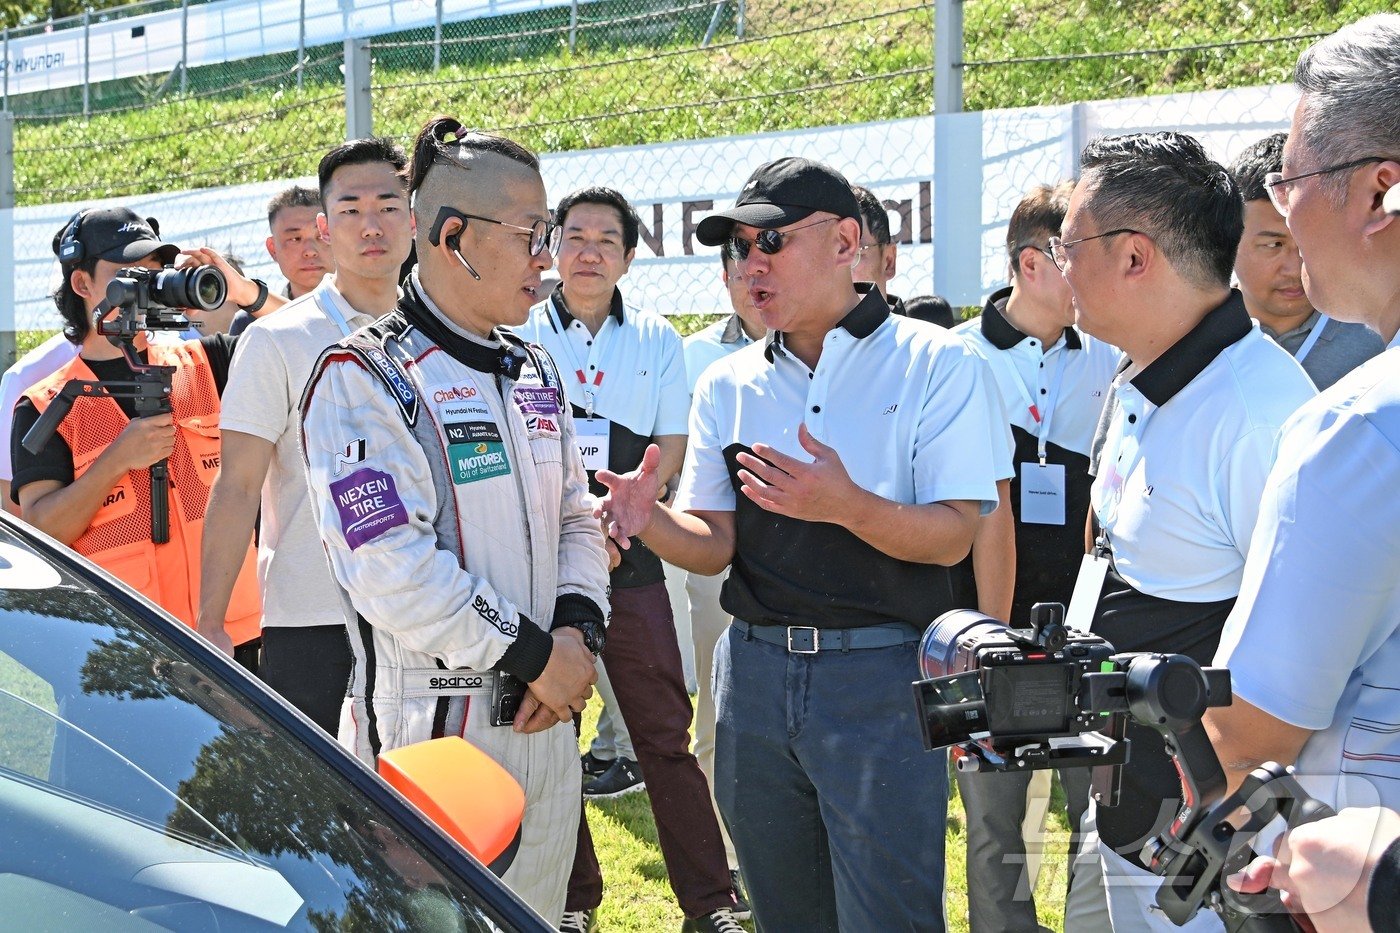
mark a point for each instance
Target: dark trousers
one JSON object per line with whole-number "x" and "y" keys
{"x": 644, "y": 662}
{"x": 998, "y": 900}
{"x": 309, "y": 667}
{"x": 836, "y": 810}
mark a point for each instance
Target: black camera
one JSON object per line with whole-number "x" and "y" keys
{"x": 1021, "y": 699}
{"x": 202, "y": 288}
{"x": 1003, "y": 688}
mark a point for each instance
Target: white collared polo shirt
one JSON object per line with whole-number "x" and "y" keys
{"x": 631, "y": 372}
{"x": 712, "y": 343}
{"x": 905, "y": 406}
{"x": 1189, "y": 443}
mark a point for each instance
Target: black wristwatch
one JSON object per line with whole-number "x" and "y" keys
{"x": 594, "y": 634}
{"x": 258, "y": 302}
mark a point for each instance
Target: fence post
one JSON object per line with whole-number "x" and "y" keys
{"x": 1078, "y": 135}
{"x": 739, "y": 19}
{"x": 947, "y": 56}
{"x": 7, "y": 238}
{"x": 437, "y": 36}
{"x": 301, "y": 42}
{"x": 573, "y": 25}
{"x": 7, "y": 68}
{"x": 358, "y": 118}
{"x": 714, "y": 25}
{"x": 184, "y": 45}
{"x": 87, "y": 61}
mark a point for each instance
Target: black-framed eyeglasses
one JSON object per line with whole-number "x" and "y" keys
{"x": 1059, "y": 248}
{"x": 1280, "y": 188}
{"x": 768, "y": 241}
{"x": 543, "y": 233}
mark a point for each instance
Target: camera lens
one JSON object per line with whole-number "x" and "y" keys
{"x": 202, "y": 288}
{"x": 939, "y": 649}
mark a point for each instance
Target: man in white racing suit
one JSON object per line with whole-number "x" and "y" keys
{"x": 454, "y": 507}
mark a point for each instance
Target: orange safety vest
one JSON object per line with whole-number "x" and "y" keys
{"x": 119, "y": 538}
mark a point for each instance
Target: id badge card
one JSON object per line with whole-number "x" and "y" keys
{"x": 593, "y": 436}
{"x": 1043, "y": 493}
{"x": 1093, "y": 570}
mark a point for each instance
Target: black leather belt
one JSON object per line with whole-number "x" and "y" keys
{"x": 804, "y": 639}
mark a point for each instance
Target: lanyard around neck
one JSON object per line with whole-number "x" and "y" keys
{"x": 1313, "y": 336}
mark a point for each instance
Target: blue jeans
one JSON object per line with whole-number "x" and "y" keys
{"x": 836, "y": 811}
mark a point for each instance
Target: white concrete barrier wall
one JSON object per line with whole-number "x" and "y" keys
{"x": 949, "y": 202}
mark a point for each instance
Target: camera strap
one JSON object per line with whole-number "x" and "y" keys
{"x": 1313, "y": 336}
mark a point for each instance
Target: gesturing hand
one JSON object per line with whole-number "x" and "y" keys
{"x": 819, "y": 491}
{"x": 627, "y": 508}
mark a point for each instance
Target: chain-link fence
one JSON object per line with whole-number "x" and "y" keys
{"x": 627, "y": 72}
{"x": 1019, "y": 53}
{"x": 705, "y": 88}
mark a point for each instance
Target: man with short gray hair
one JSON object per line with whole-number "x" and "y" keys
{"x": 1313, "y": 644}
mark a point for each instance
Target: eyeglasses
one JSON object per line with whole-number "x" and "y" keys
{"x": 1059, "y": 248}
{"x": 1280, "y": 188}
{"x": 543, "y": 233}
{"x": 768, "y": 241}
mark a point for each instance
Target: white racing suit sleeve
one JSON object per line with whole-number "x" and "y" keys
{"x": 374, "y": 501}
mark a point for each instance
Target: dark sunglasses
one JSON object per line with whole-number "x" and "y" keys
{"x": 768, "y": 241}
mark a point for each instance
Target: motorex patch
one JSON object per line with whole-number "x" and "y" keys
{"x": 368, "y": 504}
{"x": 475, "y": 451}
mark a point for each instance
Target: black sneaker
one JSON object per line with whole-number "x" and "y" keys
{"x": 578, "y": 921}
{"x": 593, "y": 766}
{"x": 741, "y": 903}
{"x": 623, "y": 777}
{"x": 721, "y": 920}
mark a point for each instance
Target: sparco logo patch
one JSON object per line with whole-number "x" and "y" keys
{"x": 448, "y": 683}
{"x": 493, "y": 615}
{"x": 404, "y": 395}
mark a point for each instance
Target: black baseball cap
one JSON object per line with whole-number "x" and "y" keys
{"x": 114, "y": 234}
{"x": 781, "y": 193}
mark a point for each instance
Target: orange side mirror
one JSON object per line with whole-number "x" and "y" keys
{"x": 457, "y": 786}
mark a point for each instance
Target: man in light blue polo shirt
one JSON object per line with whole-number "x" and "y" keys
{"x": 1313, "y": 644}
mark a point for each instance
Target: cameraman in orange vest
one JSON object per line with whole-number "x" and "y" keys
{"x": 89, "y": 486}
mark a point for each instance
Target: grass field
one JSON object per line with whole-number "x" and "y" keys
{"x": 637, "y": 898}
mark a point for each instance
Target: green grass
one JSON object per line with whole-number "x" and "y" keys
{"x": 637, "y": 898}
{"x": 800, "y": 64}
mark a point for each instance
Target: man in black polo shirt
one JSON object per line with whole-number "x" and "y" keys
{"x": 1148, "y": 245}
{"x": 840, "y": 466}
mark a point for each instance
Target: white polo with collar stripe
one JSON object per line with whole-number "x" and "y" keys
{"x": 1190, "y": 441}
{"x": 1026, "y": 374}
{"x": 712, "y": 343}
{"x": 632, "y": 371}
{"x": 907, "y": 408}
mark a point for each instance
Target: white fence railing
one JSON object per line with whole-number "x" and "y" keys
{"x": 950, "y": 181}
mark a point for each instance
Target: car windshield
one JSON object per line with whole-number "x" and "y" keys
{"x": 139, "y": 791}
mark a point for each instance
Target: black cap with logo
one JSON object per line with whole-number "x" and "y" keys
{"x": 114, "y": 234}
{"x": 781, "y": 193}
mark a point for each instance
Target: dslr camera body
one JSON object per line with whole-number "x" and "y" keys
{"x": 1009, "y": 699}
{"x": 154, "y": 299}
{"x": 1008, "y": 691}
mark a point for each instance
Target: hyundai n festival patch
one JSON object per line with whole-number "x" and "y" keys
{"x": 369, "y": 505}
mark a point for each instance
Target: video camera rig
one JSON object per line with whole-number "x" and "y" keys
{"x": 144, "y": 300}
{"x": 1024, "y": 699}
